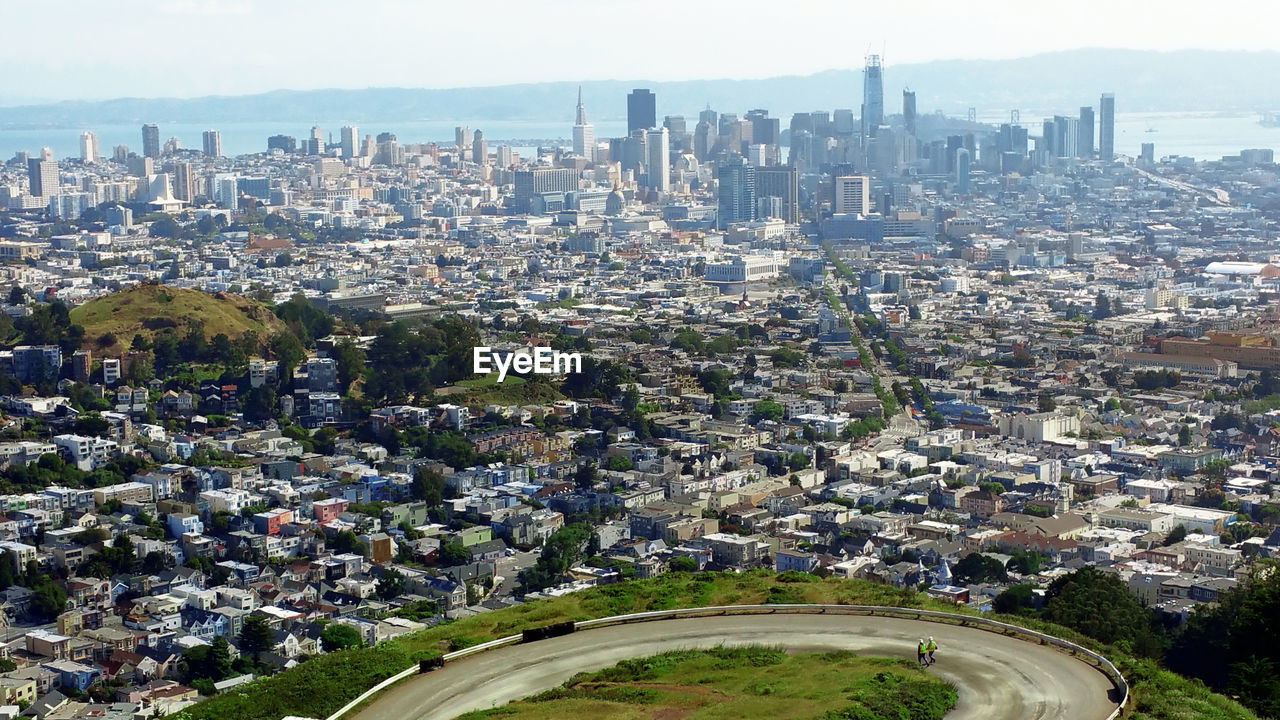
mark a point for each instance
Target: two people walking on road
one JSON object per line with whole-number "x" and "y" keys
{"x": 925, "y": 650}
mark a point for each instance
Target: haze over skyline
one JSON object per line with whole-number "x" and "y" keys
{"x": 193, "y": 48}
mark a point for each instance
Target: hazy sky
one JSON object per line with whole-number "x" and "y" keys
{"x": 93, "y": 49}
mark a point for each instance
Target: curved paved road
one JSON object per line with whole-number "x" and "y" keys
{"x": 998, "y": 677}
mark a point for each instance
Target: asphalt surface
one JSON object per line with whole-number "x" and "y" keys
{"x": 998, "y": 677}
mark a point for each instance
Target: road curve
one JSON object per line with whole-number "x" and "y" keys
{"x": 998, "y": 677}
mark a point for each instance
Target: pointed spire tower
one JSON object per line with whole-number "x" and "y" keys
{"x": 944, "y": 573}
{"x": 584, "y": 134}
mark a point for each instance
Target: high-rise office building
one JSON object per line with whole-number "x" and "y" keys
{"x": 658, "y": 160}
{"x": 842, "y": 122}
{"x": 1084, "y": 141}
{"x": 151, "y": 140}
{"x": 1148, "y": 155}
{"x": 584, "y": 134}
{"x": 530, "y": 183}
{"x": 704, "y": 139}
{"x": 88, "y": 147}
{"x": 1107, "y": 127}
{"x": 872, "y": 96}
{"x": 730, "y": 133}
{"x": 120, "y": 153}
{"x": 764, "y": 129}
{"x": 183, "y": 181}
{"x": 642, "y": 110}
{"x": 42, "y": 176}
{"x": 461, "y": 140}
{"x": 479, "y": 149}
{"x": 737, "y": 201}
{"x": 284, "y": 143}
{"x": 141, "y": 166}
{"x": 504, "y": 156}
{"x": 909, "y": 111}
{"x": 852, "y": 194}
{"x": 212, "y": 143}
{"x": 962, "y": 171}
{"x": 350, "y": 141}
{"x": 783, "y": 183}
{"x": 315, "y": 143}
{"x": 387, "y": 150}
{"x": 1066, "y": 136}
{"x": 678, "y": 132}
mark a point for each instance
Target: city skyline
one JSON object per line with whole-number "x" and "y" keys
{"x": 941, "y": 31}
{"x": 999, "y": 337}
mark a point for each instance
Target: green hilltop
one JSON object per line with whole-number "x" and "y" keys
{"x": 148, "y": 308}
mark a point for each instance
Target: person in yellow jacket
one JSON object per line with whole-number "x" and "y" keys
{"x": 921, "y": 648}
{"x": 931, "y": 647}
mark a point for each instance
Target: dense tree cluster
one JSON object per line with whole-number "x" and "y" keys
{"x": 559, "y": 553}
{"x": 1231, "y": 644}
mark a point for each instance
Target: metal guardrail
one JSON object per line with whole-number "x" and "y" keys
{"x": 1103, "y": 664}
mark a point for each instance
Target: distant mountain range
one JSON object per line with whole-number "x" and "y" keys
{"x": 1060, "y": 82}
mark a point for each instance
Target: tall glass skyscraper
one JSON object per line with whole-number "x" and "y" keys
{"x": 1084, "y": 144}
{"x": 642, "y": 110}
{"x": 872, "y": 96}
{"x": 737, "y": 202}
{"x": 909, "y": 111}
{"x": 150, "y": 140}
{"x": 1107, "y": 127}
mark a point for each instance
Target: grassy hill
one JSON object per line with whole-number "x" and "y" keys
{"x": 149, "y": 308}
{"x": 741, "y": 682}
{"x": 325, "y": 683}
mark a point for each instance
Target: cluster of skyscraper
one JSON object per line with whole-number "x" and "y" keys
{"x": 755, "y": 181}
{"x": 835, "y": 153}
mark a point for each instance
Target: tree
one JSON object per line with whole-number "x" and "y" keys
{"x": 454, "y": 553}
{"x": 618, "y": 463}
{"x": 766, "y": 410}
{"x": 391, "y": 585}
{"x": 1045, "y": 403}
{"x": 287, "y": 351}
{"x": 1184, "y": 435}
{"x": 1025, "y": 562}
{"x": 1099, "y": 605}
{"x": 50, "y": 599}
{"x": 260, "y": 404}
{"x": 256, "y": 636}
{"x": 585, "y": 476}
{"x": 797, "y": 460}
{"x": 1230, "y": 644}
{"x": 559, "y": 553}
{"x": 155, "y": 562}
{"x": 350, "y": 362}
{"x": 978, "y": 568}
{"x": 6, "y": 570}
{"x": 220, "y": 658}
{"x": 428, "y": 486}
{"x": 347, "y": 541}
{"x": 1016, "y": 599}
{"x": 339, "y": 636}
{"x": 682, "y": 563}
{"x": 1101, "y": 306}
{"x": 1177, "y": 535}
